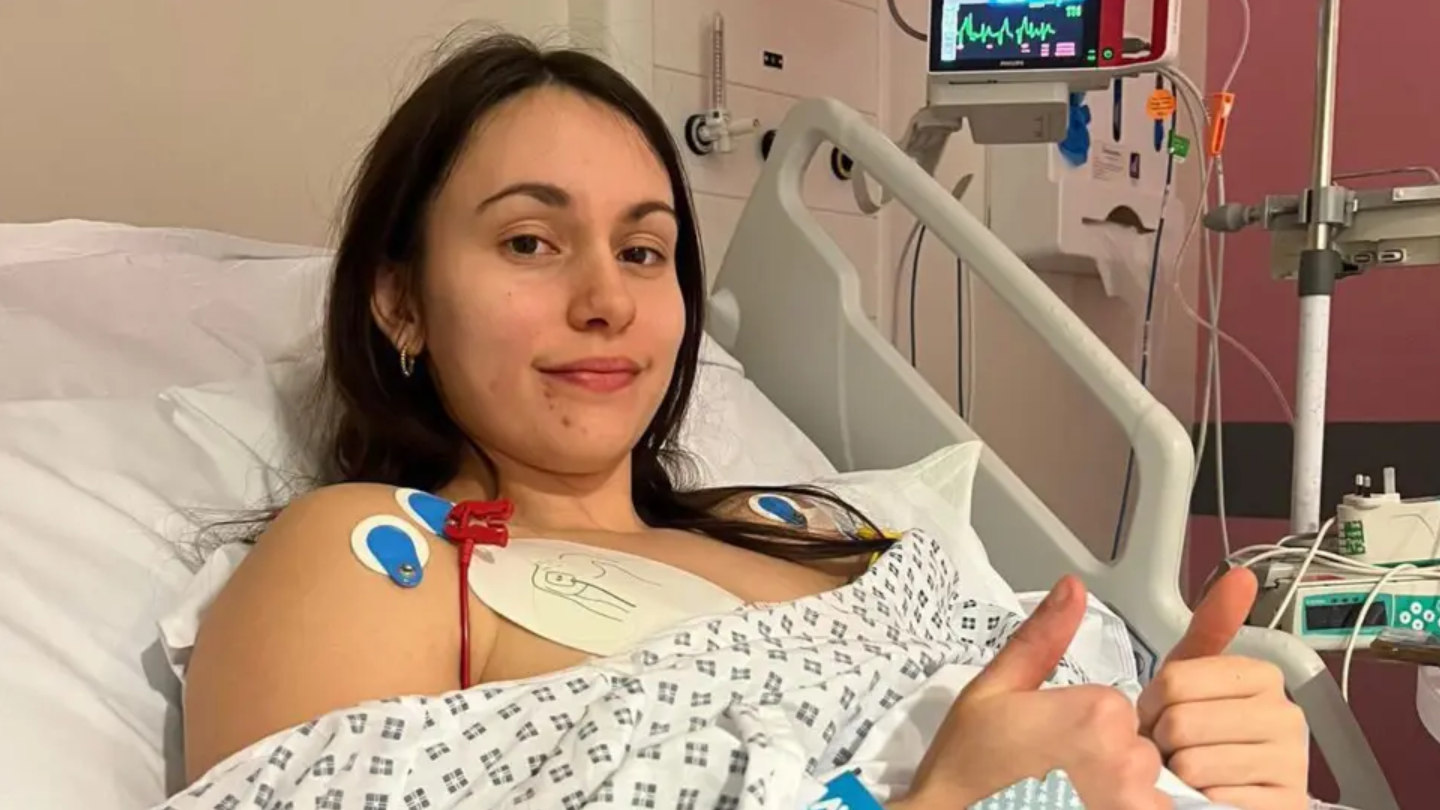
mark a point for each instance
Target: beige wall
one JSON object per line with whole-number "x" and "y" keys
{"x": 243, "y": 116}
{"x": 1036, "y": 415}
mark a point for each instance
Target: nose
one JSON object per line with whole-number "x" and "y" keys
{"x": 602, "y": 300}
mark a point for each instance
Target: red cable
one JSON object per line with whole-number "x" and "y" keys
{"x": 467, "y": 550}
{"x": 468, "y": 523}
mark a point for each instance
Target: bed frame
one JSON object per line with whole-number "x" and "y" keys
{"x": 836, "y": 376}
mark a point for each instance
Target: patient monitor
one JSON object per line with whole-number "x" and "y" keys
{"x": 1013, "y": 70}
{"x": 1078, "y": 181}
{"x": 1008, "y": 67}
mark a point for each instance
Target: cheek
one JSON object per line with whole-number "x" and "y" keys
{"x": 486, "y": 337}
{"x": 668, "y": 323}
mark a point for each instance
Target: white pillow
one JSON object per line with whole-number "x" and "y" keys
{"x": 91, "y": 514}
{"x": 737, "y": 435}
{"x": 93, "y": 310}
{"x": 734, "y": 434}
{"x": 932, "y": 495}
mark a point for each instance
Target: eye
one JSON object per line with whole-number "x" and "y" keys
{"x": 528, "y": 245}
{"x": 641, "y": 255}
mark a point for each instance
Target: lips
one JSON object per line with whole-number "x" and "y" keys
{"x": 601, "y": 375}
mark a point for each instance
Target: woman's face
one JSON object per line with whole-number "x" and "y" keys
{"x": 552, "y": 314}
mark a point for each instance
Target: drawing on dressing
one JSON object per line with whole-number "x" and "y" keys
{"x": 558, "y": 578}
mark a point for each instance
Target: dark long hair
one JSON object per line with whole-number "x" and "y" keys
{"x": 392, "y": 429}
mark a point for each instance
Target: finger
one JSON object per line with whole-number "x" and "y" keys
{"x": 1231, "y": 766}
{"x": 1124, "y": 782}
{"x": 1203, "y": 680}
{"x": 1259, "y": 797}
{"x": 1032, "y": 654}
{"x": 1228, "y": 722}
{"x": 1219, "y": 617}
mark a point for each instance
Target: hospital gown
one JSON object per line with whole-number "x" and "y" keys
{"x": 755, "y": 708}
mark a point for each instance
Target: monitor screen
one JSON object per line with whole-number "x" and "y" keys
{"x": 967, "y": 35}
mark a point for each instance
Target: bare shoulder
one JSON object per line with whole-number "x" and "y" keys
{"x": 308, "y": 547}
{"x": 316, "y": 521}
{"x": 304, "y": 628}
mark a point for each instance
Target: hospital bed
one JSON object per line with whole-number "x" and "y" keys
{"x": 821, "y": 362}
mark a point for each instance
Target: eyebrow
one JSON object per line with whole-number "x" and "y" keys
{"x": 555, "y": 197}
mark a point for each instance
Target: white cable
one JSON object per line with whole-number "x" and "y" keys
{"x": 1207, "y": 169}
{"x": 1265, "y": 553}
{"x": 1212, "y": 174}
{"x": 1252, "y": 556}
{"x": 1300, "y": 574}
{"x": 1360, "y": 623}
{"x": 1217, "y": 281}
{"x": 1242, "y": 49}
{"x": 1190, "y": 98}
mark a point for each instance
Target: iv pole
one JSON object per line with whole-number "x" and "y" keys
{"x": 1324, "y": 211}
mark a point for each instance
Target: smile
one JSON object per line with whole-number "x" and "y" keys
{"x": 601, "y": 375}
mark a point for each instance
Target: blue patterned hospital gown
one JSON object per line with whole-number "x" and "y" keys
{"x": 747, "y": 709}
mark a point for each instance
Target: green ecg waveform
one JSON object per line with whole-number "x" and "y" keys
{"x": 1022, "y": 33}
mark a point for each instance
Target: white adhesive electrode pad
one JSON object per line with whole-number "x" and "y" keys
{"x": 591, "y": 599}
{"x": 391, "y": 546}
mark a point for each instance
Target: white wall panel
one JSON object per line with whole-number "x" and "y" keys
{"x": 680, "y": 95}
{"x": 830, "y": 47}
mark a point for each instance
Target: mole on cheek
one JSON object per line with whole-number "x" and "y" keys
{"x": 565, "y": 421}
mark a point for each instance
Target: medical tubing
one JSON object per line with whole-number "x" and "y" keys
{"x": 1219, "y": 285}
{"x": 1251, "y": 556}
{"x": 1300, "y": 574}
{"x": 900, "y": 23}
{"x": 914, "y": 291}
{"x": 899, "y": 285}
{"x": 1146, "y": 328}
{"x": 1359, "y": 623}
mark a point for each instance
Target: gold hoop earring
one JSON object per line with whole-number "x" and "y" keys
{"x": 407, "y": 362}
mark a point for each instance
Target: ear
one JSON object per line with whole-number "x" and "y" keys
{"x": 394, "y": 311}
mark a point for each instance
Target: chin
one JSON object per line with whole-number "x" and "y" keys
{"x": 571, "y": 454}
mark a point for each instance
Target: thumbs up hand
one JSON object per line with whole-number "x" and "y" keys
{"x": 1003, "y": 728}
{"x": 1223, "y": 723}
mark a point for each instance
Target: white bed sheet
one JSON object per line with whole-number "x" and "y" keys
{"x": 104, "y": 480}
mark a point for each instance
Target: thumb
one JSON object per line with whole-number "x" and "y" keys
{"x": 1032, "y": 654}
{"x": 1219, "y": 616}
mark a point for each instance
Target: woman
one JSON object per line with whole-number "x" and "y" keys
{"x": 516, "y": 311}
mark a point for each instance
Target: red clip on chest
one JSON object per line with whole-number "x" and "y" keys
{"x": 468, "y": 524}
{"x": 480, "y": 523}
